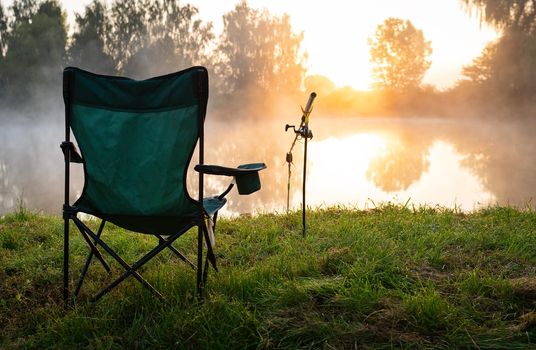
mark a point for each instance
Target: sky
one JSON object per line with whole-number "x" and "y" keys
{"x": 336, "y": 33}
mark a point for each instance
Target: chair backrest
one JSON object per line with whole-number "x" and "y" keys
{"x": 137, "y": 139}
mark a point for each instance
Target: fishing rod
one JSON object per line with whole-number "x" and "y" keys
{"x": 303, "y": 132}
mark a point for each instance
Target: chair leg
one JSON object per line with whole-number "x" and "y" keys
{"x": 199, "y": 285}
{"x": 88, "y": 262}
{"x": 210, "y": 252}
{"x": 65, "y": 259}
{"x": 131, "y": 270}
{"x": 205, "y": 273}
{"x": 83, "y": 228}
{"x": 120, "y": 260}
{"x": 179, "y": 254}
{"x": 205, "y": 270}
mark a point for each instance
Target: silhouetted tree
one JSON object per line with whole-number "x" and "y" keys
{"x": 35, "y": 51}
{"x": 519, "y": 15}
{"x": 258, "y": 51}
{"x": 480, "y": 70}
{"x": 88, "y": 47}
{"x": 151, "y": 37}
{"x": 23, "y": 11}
{"x": 175, "y": 39}
{"x": 507, "y": 67}
{"x": 126, "y": 30}
{"x": 3, "y": 31}
{"x": 400, "y": 54}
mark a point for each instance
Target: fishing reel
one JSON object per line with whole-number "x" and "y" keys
{"x": 302, "y": 131}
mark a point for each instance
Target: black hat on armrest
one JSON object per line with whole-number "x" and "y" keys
{"x": 248, "y": 182}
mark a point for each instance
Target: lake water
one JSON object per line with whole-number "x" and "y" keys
{"x": 356, "y": 162}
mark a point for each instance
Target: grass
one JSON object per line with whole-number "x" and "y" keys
{"x": 382, "y": 278}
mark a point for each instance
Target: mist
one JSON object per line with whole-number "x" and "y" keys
{"x": 258, "y": 80}
{"x": 497, "y": 153}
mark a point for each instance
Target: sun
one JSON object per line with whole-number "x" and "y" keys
{"x": 336, "y": 36}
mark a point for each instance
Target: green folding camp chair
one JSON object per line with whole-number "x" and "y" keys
{"x": 136, "y": 140}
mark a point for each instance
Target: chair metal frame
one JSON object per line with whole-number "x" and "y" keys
{"x": 94, "y": 239}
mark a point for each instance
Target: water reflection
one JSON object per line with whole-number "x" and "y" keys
{"x": 389, "y": 171}
{"x": 402, "y": 163}
{"x": 338, "y": 166}
{"x": 353, "y": 161}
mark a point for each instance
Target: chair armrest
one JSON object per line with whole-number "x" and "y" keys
{"x": 75, "y": 157}
{"x": 246, "y": 175}
{"x": 226, "y": 171}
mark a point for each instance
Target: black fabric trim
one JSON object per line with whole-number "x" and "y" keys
{"x": 117, "y": 77}
{"x": 201, "y": 89}
{"x": 141, "y": 103}
{"x": 135, "y": 110}
{"x": 84, "y": 188}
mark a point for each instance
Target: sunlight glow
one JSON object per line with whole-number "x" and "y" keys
{"x": 336, "y": 33}
{"x": 448, "y": 183}
{"x": 338, "y": 168}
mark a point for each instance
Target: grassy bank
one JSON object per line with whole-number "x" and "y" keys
{"x": 389, "y": 277}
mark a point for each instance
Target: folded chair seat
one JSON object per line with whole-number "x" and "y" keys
{"x": 136, "y": 140}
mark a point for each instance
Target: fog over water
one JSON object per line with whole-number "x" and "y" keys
{"x": 258, "y": 68}
{"x": 358, "y": 162}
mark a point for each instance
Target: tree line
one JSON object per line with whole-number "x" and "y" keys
{"x": 257, "y": 54}
{"x": 500, "y": 83}
{"x": 257, "y": 59}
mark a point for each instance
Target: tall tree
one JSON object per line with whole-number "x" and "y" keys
{"x": 507, "y": 67}
{"x": 400, "y": 53}
{"x": 88, "y": 47}
{"x": 23, "y": 11}
{"x": 480, "y": 71}
{"x": 150, "y": 37}
{"x": 35, "y": 51}
{"x": 127, "y": 19}
{"x": 174, "y": 39}
{"x": 3, "y": 31}
{"x": 513, "y": 14}
{"x": 258, "y": 51}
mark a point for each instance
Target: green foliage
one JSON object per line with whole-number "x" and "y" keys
{"x": 400, "y": 54}
{"x": 23, "y": 11}
{"x": 35, "y": 51}
{"x": 389, "y": 277}
{"x": 3, "y": 31}
{"x": 175, "y": 39}
{"x": 151, "y": 37}
{"x": 88, "y": 47}
{"x": 142, "y": 38}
